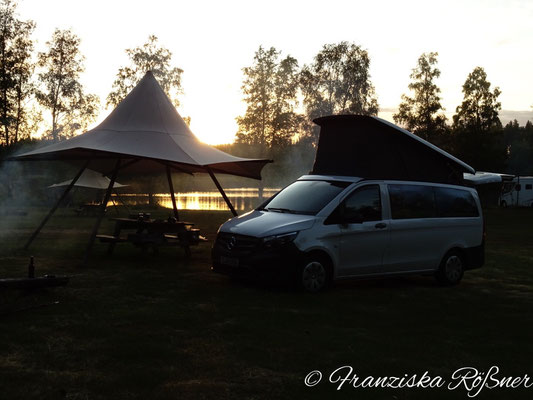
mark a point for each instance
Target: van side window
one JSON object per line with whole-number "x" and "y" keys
{"x": 412, "y": 201}
{"x": 455, "y": 203}
{"x": 528, "y": 186}
{"x": 364, "y": 204}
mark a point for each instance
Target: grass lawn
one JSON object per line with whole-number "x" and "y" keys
{"x": 135, "y": 326}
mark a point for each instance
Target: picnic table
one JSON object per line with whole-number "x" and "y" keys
{"x": 149, "y": 233}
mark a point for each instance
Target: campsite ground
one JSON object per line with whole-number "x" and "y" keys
{"x": 147, "y": 327}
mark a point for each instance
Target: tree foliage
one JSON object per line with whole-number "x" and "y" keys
{"x": 60, "y": 90}
{"x": 148, "y": 57}
{"x": 270, "y": 88}
{"x": 479, "y": 109}
{"x": 338, "y": 82}
{"x": 16, "y": 70}
{"x": 478, "y": 134}
{"x": 519, "y": 146}
{"x": 422, "y": 113}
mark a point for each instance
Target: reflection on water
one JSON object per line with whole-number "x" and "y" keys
{"x": 243, "y": 199}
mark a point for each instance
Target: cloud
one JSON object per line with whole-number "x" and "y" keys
{"x": 521, "y": 116}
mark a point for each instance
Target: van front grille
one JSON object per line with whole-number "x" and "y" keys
{"x": 237, "y": 243}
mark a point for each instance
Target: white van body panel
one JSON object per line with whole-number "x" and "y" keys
{"x": 371, "y": 248}
{"x": 420, "y": 244}
{"x": 262, "y": 224}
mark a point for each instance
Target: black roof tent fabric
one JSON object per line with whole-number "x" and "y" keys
{"x": 372, "y": 148}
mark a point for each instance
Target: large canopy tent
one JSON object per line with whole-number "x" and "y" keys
{"x": 372, "y": 148}
{"x": 143, "y": 134}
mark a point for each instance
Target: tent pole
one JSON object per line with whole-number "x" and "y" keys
{"x": 102, "y": 212}
{"x": 212, "y": 175}
{"x": 171, "y": 187}
{"x": 54, "y": 208}
{"x": 119, "y": 198}
{"x": 115, "y": 205}
{"x": 125, "y": 165}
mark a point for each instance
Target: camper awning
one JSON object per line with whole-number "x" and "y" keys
{"x": 482, "y": 178}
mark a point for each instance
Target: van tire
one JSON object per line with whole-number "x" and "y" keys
{"x": 451, "y": 268}
{"x": 314, "y": 274}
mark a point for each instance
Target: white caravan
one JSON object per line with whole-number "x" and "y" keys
{"x": 323, "y": 228}
{"x": 518, "y": 192}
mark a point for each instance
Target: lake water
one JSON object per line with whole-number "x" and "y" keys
{"x": 243, "y": 199}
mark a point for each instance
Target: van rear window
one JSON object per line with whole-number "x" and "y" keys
{"x": 455, "y": 203}
{"x": 420, "y": 201}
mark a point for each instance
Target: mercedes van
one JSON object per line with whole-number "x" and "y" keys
{"x": 324, "y": 228}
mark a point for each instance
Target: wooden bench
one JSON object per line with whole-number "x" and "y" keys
{"x": 111, "y": 239}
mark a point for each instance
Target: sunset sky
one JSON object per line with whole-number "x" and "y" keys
{"x": 213, "y": 40}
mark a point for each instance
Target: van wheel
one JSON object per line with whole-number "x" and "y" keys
{"x": 451, "y": 269}
{"x": 314, "y": 275}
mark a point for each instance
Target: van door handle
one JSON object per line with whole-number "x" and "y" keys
{"x": 380, "y": 225}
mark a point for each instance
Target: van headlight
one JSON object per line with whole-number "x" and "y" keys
{"x": 279, "y": 240}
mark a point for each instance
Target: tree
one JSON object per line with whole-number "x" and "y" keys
{"x": 60, "y": 89}
{"x": 270, "y": 88}
{"x": 479, "y": 110}
{"x": 338, "y": 82}
{"x": 422, "y": 114}
{"x": 519, "y": 146}
{"x": 149, "y": 57}
{"x": 477, "y": 128}
{"x": 16, "y": 70}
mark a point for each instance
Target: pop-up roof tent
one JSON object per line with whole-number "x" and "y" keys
{"x": 372, "y": 148}
{"x": 143, "y": 134}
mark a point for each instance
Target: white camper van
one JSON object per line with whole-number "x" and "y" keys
{"x": 518, "y": 192}
{"x": 324, "y": 228}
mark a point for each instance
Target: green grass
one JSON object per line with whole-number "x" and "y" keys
{"x": 162, "y": 327}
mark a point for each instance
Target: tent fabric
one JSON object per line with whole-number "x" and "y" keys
{"x": 90, "y": 179}
{"x": 146, "y": 128}
{"x": 372, "y": 148}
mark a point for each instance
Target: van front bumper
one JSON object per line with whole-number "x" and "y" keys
{"x": 248, "y": 258}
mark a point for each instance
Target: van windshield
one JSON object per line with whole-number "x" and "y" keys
{"x": 304, "y": 197}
